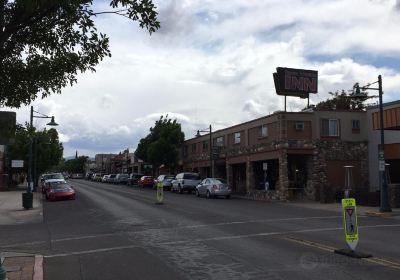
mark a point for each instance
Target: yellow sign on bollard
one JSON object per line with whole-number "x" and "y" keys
{"x": 160, "y": 193}
{"x": 350, "y": 222}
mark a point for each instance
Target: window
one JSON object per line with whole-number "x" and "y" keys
{"x": 236, "y": 137}
{"x": 185, "y": 151}
{"x": 330, "y": 127}
{"x": 194, "y": 148}
{"x": 220, "y": 141}
{"x": 355, "y": 126}
{"x": 264, "y": 130}
{"x": 205, "y": 145}
{"x": 299, "y": 125}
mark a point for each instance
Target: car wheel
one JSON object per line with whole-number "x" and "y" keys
{"x": 180, "y": 190}
{"x": 197, "y": 193}
{"x": 208, "y": 195}
{"x": 228, "y": 196}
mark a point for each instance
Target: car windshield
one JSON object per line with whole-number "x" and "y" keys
{"x": 218, "y": 181}
{"x": 191, "y": 176}
{"x": 54, "y": 176}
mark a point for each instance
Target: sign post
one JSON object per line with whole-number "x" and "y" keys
{"x": 350, "y": 222}
{"x": 351, "y": 229}
{"x": 265, "y": 168}
{"x": 160, "y": 193}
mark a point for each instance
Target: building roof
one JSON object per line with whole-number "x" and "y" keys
{"x": 391, "y": 103}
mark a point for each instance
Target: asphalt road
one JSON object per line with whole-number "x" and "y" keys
{"x": 119, "y": 232}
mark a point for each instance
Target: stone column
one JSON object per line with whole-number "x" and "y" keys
{"x": 283, "y": 192}
{"x": 229, "y": 175}
{"x": 249, "y": 176}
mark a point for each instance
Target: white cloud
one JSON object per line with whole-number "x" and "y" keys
{"x": 212, "y": 63}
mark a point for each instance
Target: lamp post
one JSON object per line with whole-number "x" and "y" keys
{"x": 27, "y": 197}
{"x": 211, "y": 153}
{"x": 384, "y": 205}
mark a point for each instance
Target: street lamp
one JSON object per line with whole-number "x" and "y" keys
{"x": 27, "y": 197}
{"x": 211, "y": 154}
{"x": 385, "y": 206}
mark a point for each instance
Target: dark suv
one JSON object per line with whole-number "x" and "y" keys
{"x": 186, "y": 181}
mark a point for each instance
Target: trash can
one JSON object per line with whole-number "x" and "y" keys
{"x": 27, "y": 200}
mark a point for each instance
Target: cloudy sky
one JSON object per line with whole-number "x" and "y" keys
{"x": 212, "y": 63}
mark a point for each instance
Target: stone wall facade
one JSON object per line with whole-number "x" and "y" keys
{"x": 326, "y": 151}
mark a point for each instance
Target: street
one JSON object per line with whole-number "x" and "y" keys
{"x": 119, "y": 232}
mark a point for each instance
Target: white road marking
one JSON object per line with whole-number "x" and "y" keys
{"x": 93, "y": 251}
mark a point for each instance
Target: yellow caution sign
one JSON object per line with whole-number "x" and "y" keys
{"x": 160, "y": 193}
{"x": 350, "y": 222}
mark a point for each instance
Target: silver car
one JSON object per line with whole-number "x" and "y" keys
{"x": 186, "y": 181}
{"x": 212, "y": 187}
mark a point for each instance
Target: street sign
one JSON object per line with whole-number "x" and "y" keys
{"x": 381, "y": 165}
{"x": 265, "y": 166}
{"x": 17, "y": 163}
{"x": 350, "y": 222}
{"x": 160, "y": 193}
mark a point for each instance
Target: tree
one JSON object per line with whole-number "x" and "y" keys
{"x": 341, "y": 101}
{"x": 162, "y": 144}
{"x": 45, "y": 43}
{"x": 76, "y": 165}
{"x": 47, "y": 149}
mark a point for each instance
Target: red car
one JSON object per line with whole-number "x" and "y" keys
{"x": 60, "y": 190}
{"x": 146, "y": 181}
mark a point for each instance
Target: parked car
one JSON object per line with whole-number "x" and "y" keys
{"x": 211, "y": 187}
{"x": 186, "y": 181}
{"x": 111, "y": 178}
{"x": 104, "y": 179}
{"x": 146, "y": 181}
{"x": 89, "y": 176}
{"x": 133, "y": 179}
{"x": 77, "y": 176}
{"x": 51, "y": 177}
{"x": 166, "y": 181}
{"x": 121, "y": 178}
{"x": 97, "y": 177}
{"x": 60, "y": 190}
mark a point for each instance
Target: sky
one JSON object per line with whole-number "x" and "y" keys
{"x": 211, "y": 62}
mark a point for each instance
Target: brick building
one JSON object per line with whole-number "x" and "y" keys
{"x": 304, "y": 152}
{"x": 391, "y": 119}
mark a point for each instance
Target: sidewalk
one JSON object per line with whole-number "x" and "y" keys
{"x": 336, "y": 206}
{"x": 12, "y": 212}
{"x": 20, "y": 266}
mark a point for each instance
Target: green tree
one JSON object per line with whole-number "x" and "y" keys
{"x": 45, "y": 43}
{"x": 76, "y": 165}
{"x": 341, "y": 101}
{"x": 47, "y": 150}
{"x": 162, "y": 144}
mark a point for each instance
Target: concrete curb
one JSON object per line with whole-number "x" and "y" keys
{"x": 378, "y": 214}
{"x": 38, "y": 268}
